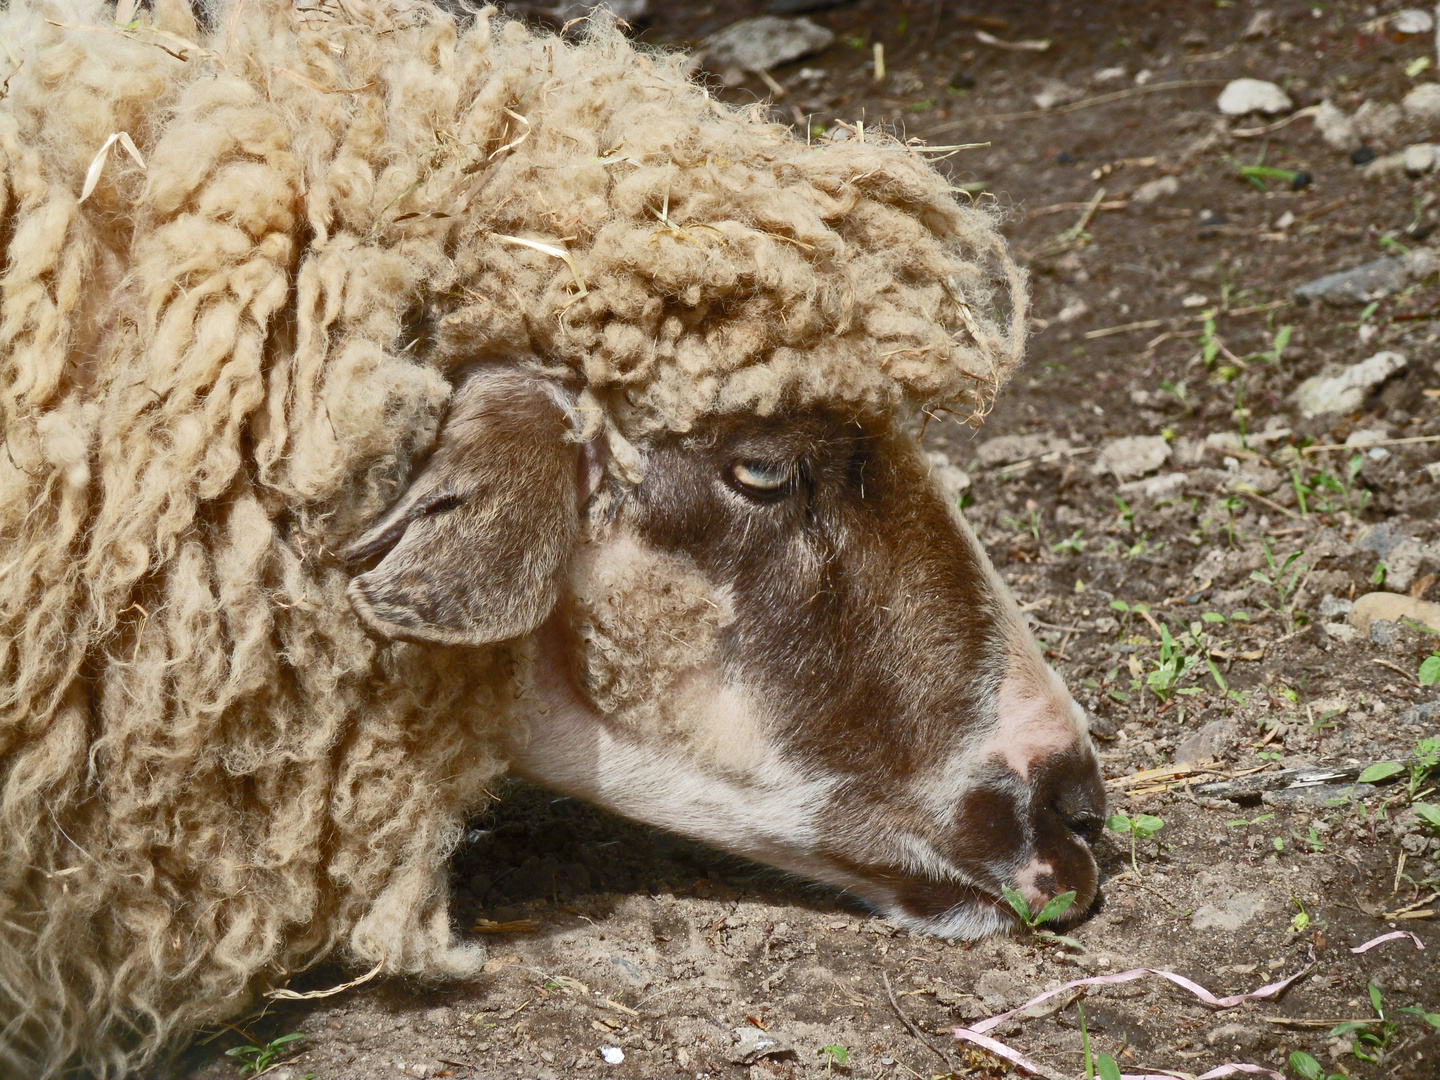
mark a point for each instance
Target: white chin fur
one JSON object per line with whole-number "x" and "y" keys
{"x": 964, "y": 921}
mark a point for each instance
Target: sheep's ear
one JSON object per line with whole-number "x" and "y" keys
{"x": 476, "y": 549}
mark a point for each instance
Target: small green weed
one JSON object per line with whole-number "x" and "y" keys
{"x": 1307, "y": 1068}
{"x": 1054, "y": 908}
{"x": 254, "y": 1060}
{"x": 1369, "y": 1044}
{"x": 1140, "y": 827}
{"x": 1429, "y": 673}
{"x": 1283, "y": 579}
{"x": 834, "y": 1055}
{"x": 1075, "y": 545}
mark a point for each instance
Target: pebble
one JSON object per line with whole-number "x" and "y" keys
{"x": 1412, "y": 21}
{"x": 1229, "y": 914}
{"x": 1054, "y": 92}
{"x": 1425, "y": 713}
{"x": 1359, "y": 285}
{"x": 1154, "y": 488}
{"x": 764, "y": 42}
{"x": 1132, "y": 456}
{"x": 1375, "y": 122}
{"x": 1362, "y": 156}
{"x": 1242, "y": 96}
{"x": 1005, "y": 449}
{"x": 1340, "y": 632}
{"x": 951, "y": 478}
{"x": 1419, "y": 159}
{"x": 1346, "y": 391}
{"x": 612, "y": 1055}
{"x": 1110, "y": 74}
{"x": 1335, "y": 127}
{"x": 1382, "y": 632}
{"x": 1214, "y": 740}
{"x": 1423, "y": 102}
{"x": 1392, "y": 607}
{"x": 1260, "y": 25}
{"x": 1162, "y": 187}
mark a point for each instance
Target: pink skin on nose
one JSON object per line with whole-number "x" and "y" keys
{"x": 1035, "y": 720}
{"x": 1026, "y": 882}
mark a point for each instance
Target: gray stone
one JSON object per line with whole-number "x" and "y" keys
{"x": 1346, "y": 392}
{"x": 1423, "y": 102}
{"x": 752, "y": 1044}
{"x": 1420, "y": 263}
{"x": 1229, "y": 914}
{"x": 1359, "y": 285}
{"x": 1007, "y": 449}
{"x": 1419, "y": 159}
{"x": 1332, "y": 606}
{"x": 1237, "y": 1036}
{"x": 1260, "y": 25}
{"x": 1132, "y": 456}
{"x": 1214, "y": 740}
{"x": 764, "y": 42}
{"x": 1341, "y": 632}
{"x": 1425, "y": 713}
{"x": 1242, "y": 96}
{"x": 1382, "y": 632}
{"x": 1335, "y": 127}
{"x": 1404, "y": 561}
{"x": 1380, "y": 540}
{"x": 1153, "y": 488}
{"x": 1375, "y": 122}
{"x": 1151, "y": 191}
{"x": 1412, "y": 21}
{"x": 630, "y": 972}
{"x": 1054, "y": 92}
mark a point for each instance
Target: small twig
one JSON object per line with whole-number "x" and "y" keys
{"x": 1108, "y": 331}
{"x": 1265, "y": 129}
{"x": 1124, "y": 879}
{"x": 1086, "y": 103}
{"x": 1365, "y": 446}
{"x": 1290, "y": 1021}
{"x": 906, "y": 1021}
{"x": 1250, "y": 493}
{"x": 1395, "y": 667}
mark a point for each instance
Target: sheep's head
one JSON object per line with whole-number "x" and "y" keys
{"x": 783, "y": 641}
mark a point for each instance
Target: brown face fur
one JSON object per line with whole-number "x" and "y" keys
{"x": 783, "y": 642}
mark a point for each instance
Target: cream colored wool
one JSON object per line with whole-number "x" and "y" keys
{"x": 215, "y": 371}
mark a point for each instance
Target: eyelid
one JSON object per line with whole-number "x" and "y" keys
{"x": 762, "y": 477}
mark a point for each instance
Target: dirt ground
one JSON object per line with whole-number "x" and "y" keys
{"x": 605, "y": 935}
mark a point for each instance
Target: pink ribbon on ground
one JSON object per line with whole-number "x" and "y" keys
{"x": 975, "y": 1033}
{"x": 1394, "y": 935}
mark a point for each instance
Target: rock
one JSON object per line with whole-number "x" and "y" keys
{"x": 1425, "y": 713}
{"x": 1363, "y": 156}
{"x": 1214, "y": 740}
{"x": 1419, "y": 159}
{"x": 1162, "y": 187}
{"x": 1412, "y": 21}
{"x": 1132, "y": 456}
{"x": 1421, "y": 263}
{"x": 1345, "y": 635}
{"x": 1242, "y": 96}
{"x": 1392, "y": 607}
{"x": 951, "y": 478}
{"x": 1346, "y": 391}
{"x": 624, "y": 10}
{"x": 1153, "y": 488}
{"x": 1374, "y": 122}
{"x": 1229, "y": 914}
{"x": 1054, "y": 92}
{"x": 1359, "y": 285}
{"x": 612, "y": 1055}
{"x": 1335, "y": 127}
{"x": 1331, "y": 606}
{"x": 1423, "y": 102}
{"x": 1109, "y": 74}
{"x": 1433, "y": 471}
{"x": 1385, "y": 165}
{"x": 1006, "y": 449}
{"x": 1403, "y": 563}
{"x": 1235, "y": 1036}
{"x": 1260, "y": 25}
{"x": 1379, "y": 540}
{"x": 630, "y": 972}
{"x": 1075, "y": 308}
{"x": 752, "y": 1044}
{"x": 764, "y": 42}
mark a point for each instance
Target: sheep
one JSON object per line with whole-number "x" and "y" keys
{"x": 387, "y": 405}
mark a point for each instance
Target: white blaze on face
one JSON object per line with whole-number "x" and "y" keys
{"x": 1027, "y": 880}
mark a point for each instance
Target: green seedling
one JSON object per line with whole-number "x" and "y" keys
{"x": 1429, "y": 814}
{"x": 1140, "y": 827}
{"x": 1300, "y": 922}
{"x": 1247, "y": 823}
{"x": 1053, "y": 909}
{"x": 1029, "y": 524}
{"x": 1278, "y": 343}
{"x": 1373, "y": 1037}
{"x": 1307, "y": 1068}
{"x": 1074, "y": 545}
{"x": 1209, "y": 340}
{"x": 254, "y": 1060}
{"x": 1284, "y": 580}
{"x": 1256, "y": 175}
{"x": 834, "y": 1055}
{"x": 1421, "y": 763}
{"x": 1429, "y": 673}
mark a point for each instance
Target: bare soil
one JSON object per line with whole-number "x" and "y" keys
{"x": 621, "y": 936}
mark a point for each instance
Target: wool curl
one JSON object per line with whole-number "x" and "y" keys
{"x": 217, "y": 368}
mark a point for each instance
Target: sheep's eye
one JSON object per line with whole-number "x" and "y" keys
{"x": 440, "y": 504}
{"x": 763, "y": 477}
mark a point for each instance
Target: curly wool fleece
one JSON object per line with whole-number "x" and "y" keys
{"x": 215, "y": 370}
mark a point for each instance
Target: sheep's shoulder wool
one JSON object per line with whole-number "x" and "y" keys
{"x": 241, "y": 268}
